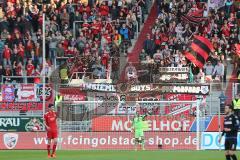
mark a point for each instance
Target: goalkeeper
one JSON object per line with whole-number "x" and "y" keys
{"x": 139, "y": 125}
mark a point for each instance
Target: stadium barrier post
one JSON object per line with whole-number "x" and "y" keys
{"x": 44, "y": 61}
{"x": 222, "y": 99}
{"x": 199, "y": 100}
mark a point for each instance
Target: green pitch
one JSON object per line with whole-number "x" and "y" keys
{"x": 114, "y": 155}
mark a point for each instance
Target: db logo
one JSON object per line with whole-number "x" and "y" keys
{"x": 10, "y": 140}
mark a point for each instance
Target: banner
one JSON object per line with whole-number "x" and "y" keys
{"x": 157, "y": 123}
{"x": 183, "y": 108}
{"x": 172, "y": 74}
{"x": 20, "y": 124}
{"x": 215, "y": 4}
{"x": 197, "y": 89}
{"x": 21, "y": 106}
{"x": 210, "y": 141}
{"x": 111, "y": 140}
{"x": 25, "y": 97}
{"x": 72, "y": 94}
{"x": 49, "y": 93}
{"x": 8, "y": 93}
{"x": 25, "y": 92}
{"x": 99, "y": 140}
{"x": 113, "y": 103}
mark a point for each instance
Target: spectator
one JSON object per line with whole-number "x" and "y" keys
{"x": 4, "y": 34}
{"x": 104, "y": 9}
{"x": 52, "y": 46}
{"x": 1, "y": 50}
{"x": 1, "y": 73}
{"x": 7, "y": 72}
{"x": 143, "y": 56}
{"x": 208, "y": 69}
{"x": 7, "y": 56}
{"x": 117, "y": 39}
{"x": 131, "y": 72}
{"x": 14, "y": 55}
{"x": 60, "y": 50}
{"x": 98, "y": 70}
{"x": 222, "y": 58}
{"x": 201, "y": 76}
{"x": 30, "y": 68}
{"x": 115, "y": 68}
{"x": 149, "y": 46}
{"x": 158, "y": 56}
{"x": 64, "y": 17}
{"x": 124, "y": 32}
{"x": 218, "y": 71}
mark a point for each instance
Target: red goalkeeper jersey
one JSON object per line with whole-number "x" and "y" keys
{"x": 51, "y": 120}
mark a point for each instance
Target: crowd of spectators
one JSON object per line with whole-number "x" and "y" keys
{"x": 171, "y": 36}
{"x": 93, "y": 30}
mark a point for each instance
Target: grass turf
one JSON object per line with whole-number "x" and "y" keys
{"x": 113, "y": 155}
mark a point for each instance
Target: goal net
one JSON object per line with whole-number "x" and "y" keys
{"x": 106, "y": 124}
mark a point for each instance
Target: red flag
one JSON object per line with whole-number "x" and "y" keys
{"x": 193, "y": 59}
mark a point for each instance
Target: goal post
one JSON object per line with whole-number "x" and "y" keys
{"x": 107, "y": 124}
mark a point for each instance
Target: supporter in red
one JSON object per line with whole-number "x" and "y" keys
{"x": 65, "y": 44}
{"x": 19, "y": 69}
{"x": 50, "y": 122}
{"x": 7, "y": 56}
{"x": 105, "y": 58}
{"x": 70, "y": 52}
{"x": 226, "y": 30}
{"x": 84, "y": 9}
{"x": 10, "y": 10}
{"x": 109, "y": 27}
{"x": 107, "y": 37}
{"x": 96, "y": 28}
{"x": 37, "y": 78}
{"x": 21, "y": 50}
{"x": 29, "y": 47}
{"x": 30, "y": 68}
{"x": 8, "y": 72}
{"x": 85, "y": 27}
{"x": 38, "y": 53}
{"x": 104, "y": 9}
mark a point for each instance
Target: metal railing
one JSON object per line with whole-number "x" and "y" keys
{"x": 22, "y": 79}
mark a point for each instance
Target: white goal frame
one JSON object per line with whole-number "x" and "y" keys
{"x": 197, "y": 102}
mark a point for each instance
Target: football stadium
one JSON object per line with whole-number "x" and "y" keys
{"x": 119, "y": 79}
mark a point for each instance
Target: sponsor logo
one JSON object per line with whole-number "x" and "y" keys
{"x": 9, "y": 122}
{"x": 10, "y": 140}
{"x": 34, "y": 123}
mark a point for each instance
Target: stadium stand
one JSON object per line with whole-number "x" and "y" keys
{"x": 75, "y": 31}
{"x": 172, "y": 34}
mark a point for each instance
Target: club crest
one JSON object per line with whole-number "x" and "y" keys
{"x": 10, "y": 140}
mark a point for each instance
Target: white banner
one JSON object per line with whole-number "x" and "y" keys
{"x": 215, "y": 4}
{"x": 210, "y": 141}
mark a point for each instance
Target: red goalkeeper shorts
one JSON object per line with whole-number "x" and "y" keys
{"x": 52, "y": 134}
